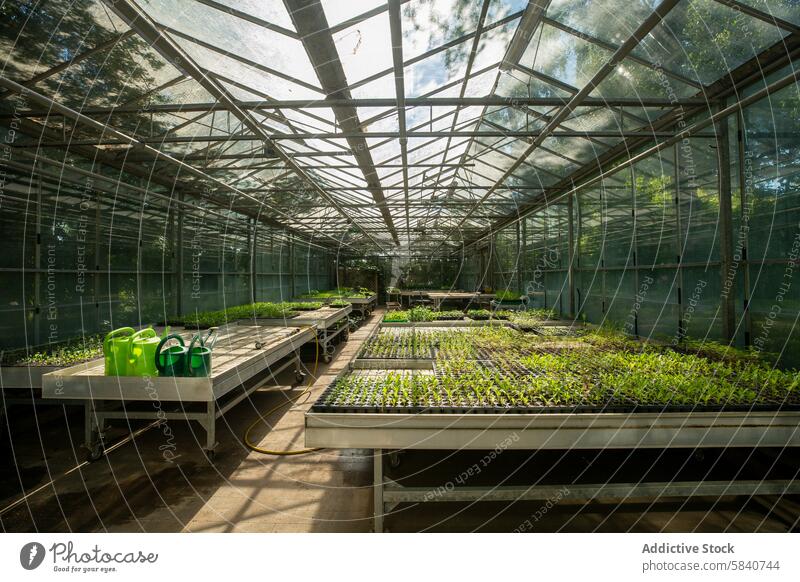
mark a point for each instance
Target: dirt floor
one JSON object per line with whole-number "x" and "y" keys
{"x": 133, "y": 488}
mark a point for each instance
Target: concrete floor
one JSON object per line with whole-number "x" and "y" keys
{"x": 134, "y": 489}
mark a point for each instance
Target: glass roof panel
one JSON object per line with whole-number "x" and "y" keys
{"x": 482, "y": 85}
{"x": 235, "y": 36}
{"x": 185, "y": 91}
{"x": 365, "y": 48}
{"x": 382, "y": 87}
{"x": 630, "y": 79}
{"x": 563, "y": 56}
{"x": 499, "y": 9}
{"x": 259, "y": 81}
{"x": 114, "y": 77}
{"x": 437, "y": 70}
{"x": 32, "y": 42}
{"x": 784, "y": 9}
{"x": 493, "y": 45}
{"x": 519, "y": 84}
{"x": 704, "y": 40}
{"x": 337, "y": 11}
{"x": 273, "y": 11}
{"x": 427, "y": 25}
{"x": 610, "y": 20}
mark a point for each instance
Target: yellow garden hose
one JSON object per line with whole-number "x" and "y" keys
{"x": 262, "y": 418}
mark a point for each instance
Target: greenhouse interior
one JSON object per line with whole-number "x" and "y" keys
{"x": 404, "y": 266}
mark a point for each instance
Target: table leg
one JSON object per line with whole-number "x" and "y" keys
{"x": 377, "y": 512}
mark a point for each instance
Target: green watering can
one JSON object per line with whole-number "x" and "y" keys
{"x": 198, "y": 359}
{"x": 116, "y": 351}
{"x": 142, "y": 358}
{"x": 182, "y": 361}
{"x": 171, "y": 361}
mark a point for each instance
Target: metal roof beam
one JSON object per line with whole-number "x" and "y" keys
{"x": 396, "y": 32}
{"x": 461, "y": 102}
{"x": 531, "y": 136}
{"x": 309, "y": 19}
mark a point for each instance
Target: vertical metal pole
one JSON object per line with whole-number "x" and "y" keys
{"x": 179, "y": 254}
{"x": 253, "y": 238}
{"x": 519, "y": 257}
{"x": 291, "y": 266}
{"x": 571, "y": 253}
{"x": 97, "y": 234}
{"x": 173, "y": 262}
{"x": 523, "y": 269}
{"x": 744, "y": 232}
{"x": 37, "y": 275}
{"x": 210, "y": 424}
{"x": 377, "y": 471}
{"x": 726, "y": 231}
{"x": 635, "y": 245}
{"x": 679, "y": 239}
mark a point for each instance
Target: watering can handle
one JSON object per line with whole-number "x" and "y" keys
{"x": 165, "y": 339}
{"x": 115, "y": 333}
{"x": 213, "y": 334}
{"x": 195, "y": 339}
{"x": 146, "y": 332}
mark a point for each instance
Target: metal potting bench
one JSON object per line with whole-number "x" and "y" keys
{"x": 363, "y": 305}
{"x": 395, "y": 430}
{"x": 22, "y": 385}
{"x": 439, "y": 297}
{"x": 328, "y": 323}
{"x": 388, "y": 433}
{"x": 240, "y": 353}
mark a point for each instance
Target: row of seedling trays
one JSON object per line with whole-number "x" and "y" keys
{"x": 484, "y": 370}
{"x": 430, "y": 392}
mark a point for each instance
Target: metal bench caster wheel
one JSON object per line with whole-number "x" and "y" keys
{"x": 300, "y": 378}
{"x": 210, "y": 455}
{"x": 353, "y": 328}
{"x": 345, "y": 335}
{"x": 95, "y": 452}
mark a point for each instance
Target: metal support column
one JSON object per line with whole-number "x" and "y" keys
{"x": 37, "y": 276}
{"x": 252, "y": 237}
{"x": 728, "y": 301}
{"x": 97, "y": 235}
{"x": 635, "y": 246}
{"x": 377, "y": 471}
{"x": 523, "y": 267}
{"x": 179, "y": 255}
{"x": 519, "y": 253}
{"x": 291, "y": 266}
{"x": 571, "y": 253}
{"x": 679, "y": 237}
{"x": 744, "y": 232}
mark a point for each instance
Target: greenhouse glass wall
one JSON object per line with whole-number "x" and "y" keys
{"x": 654, "y": 249}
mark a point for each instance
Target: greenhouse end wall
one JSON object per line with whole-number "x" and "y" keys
{"x": 655, "y": 253}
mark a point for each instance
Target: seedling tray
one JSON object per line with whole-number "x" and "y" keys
{"x": 465, "y": 401}
{"x": 322, "y": 318}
